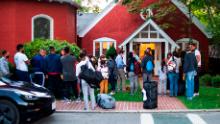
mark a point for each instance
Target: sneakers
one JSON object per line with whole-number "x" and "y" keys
{"x": 195, "y": 94}
{"x": 78, "y": 100}
{"x": 66, "y": 100}
{"x": 189, "y": 98}
{"x": 112, "y": 93}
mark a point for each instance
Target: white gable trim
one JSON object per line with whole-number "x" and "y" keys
{"x": 151, "y": 22}
{"x": 195, "y": 20}
{"x": 97, "y": 19}
{"x": 177, "y": 3}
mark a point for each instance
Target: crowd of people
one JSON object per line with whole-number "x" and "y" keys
{"x": 61, "y": 72}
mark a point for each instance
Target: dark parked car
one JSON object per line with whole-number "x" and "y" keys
{"x": 22, "y": 101}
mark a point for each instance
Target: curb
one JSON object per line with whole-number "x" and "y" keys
{"x": 139, "y": 111}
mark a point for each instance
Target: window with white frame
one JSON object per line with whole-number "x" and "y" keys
{"x": 101, "y": 45}
{"x": 42, "y": 27}
{"x": 149, "y": 32}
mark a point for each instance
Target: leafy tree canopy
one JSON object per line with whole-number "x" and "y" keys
{"x": 207, "y": 11}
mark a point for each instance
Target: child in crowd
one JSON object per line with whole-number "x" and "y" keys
{"x": 103, "y": 68}
{"x": 162, "y": 72}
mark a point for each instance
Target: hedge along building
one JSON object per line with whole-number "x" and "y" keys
{"x": 25, "y": 20}
{"x": 133, "y": 32}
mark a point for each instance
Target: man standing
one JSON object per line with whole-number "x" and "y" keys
{"x": 147, "y": 66}
{"x": 121, "y": 74}
{"x": 37, "y": 63}
{"x": 69, "y": 75}
{"x": 199, "y": 63}
{"x": 189, "y": 68}
{"x": 21, "y": 62}
{"x": 4, "y": 68}
{"x": 53, "y": 69}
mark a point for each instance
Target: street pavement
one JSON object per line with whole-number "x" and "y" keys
{"x": 132, "y": 118}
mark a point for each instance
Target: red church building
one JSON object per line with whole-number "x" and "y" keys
{"x": 25, "y": 20}
{"x": 133, "y": 32}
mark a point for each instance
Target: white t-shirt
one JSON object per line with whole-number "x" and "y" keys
{"x": 78, "y": 66}
{"x": 197, "y": 53}
{"x": 19, "y": 60}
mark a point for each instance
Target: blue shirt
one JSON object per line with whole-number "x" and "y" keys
{"x": 37, "y": 63}
{"x": 53, "y": 64}
{"x": 119, "y": 61}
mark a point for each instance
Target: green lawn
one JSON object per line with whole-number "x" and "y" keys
{"x": 125, "y": 96}
{"x": 209, "y": 98}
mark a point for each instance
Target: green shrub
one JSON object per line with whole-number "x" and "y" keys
{"x": 206, "y": 80}
{"x": 216, "y": 81}
{"x": 111, "y": 52}
{"x": 33, "y": 47}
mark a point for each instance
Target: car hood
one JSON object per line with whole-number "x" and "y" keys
{"x": 21, "y": 85}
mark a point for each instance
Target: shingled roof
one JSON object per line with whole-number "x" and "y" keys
{"x": 70, "y": 2}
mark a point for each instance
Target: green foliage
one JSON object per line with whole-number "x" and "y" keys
{"x": 205, "y": 80}
{"x": 209, "y": 98}
{"x": 33, "y": 47}
{"x": 216, "y": 81}
{"x": 111, "y": 52}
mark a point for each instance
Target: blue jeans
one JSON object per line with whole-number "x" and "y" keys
{"x": 173, "y": 78}
{"x": 190, "y": 84}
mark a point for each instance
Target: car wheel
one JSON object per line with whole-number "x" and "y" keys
{"x": 9, "y": 113}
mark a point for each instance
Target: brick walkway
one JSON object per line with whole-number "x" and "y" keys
{"x": 164, "y": 103}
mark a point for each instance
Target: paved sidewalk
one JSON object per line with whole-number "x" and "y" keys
{"x": 164, "y": 103}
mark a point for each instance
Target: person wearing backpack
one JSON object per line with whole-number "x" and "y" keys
{"x": 113, "y": 73}
{"x": 173, "y": 64}
{"x": 86, "y": 88}
{"x": 147, "y": 66}
{"x": 132, "y": 73}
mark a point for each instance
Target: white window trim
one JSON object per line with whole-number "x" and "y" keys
{"x": 100, "y": 41}
{"x": 51, "y": 25}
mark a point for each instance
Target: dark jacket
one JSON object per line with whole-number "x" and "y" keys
{"x": 112, "y": 67}
{"x": 144, "y": 63}
{"x": 53, "y": 64}
{"x": 37, "y": 63}
{"x": 68, "y": 65}
{"x": 190, "y": 62}
{"x": 129, "y": 62}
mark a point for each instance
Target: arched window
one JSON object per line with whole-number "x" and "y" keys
{"x": 101, "y": 45}
{"x": 42, "y": 27}
{"x": 183, "y": 43}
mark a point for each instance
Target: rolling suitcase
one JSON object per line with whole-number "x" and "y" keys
{"x": 150, "y": 95}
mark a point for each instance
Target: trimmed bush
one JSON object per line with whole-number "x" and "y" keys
{"x": 206, "y": 80}
{"x": 32, "y": 48}
{"x": 216, "y": 81}
{"x": 111, "y": 52}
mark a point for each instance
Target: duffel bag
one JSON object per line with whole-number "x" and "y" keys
{"x": 93, "y": 78}
{"x": 106, "y": 101}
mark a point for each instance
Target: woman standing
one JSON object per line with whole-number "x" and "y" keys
{"x": 85, "y": 86}
{"x": 131, "y": 66}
